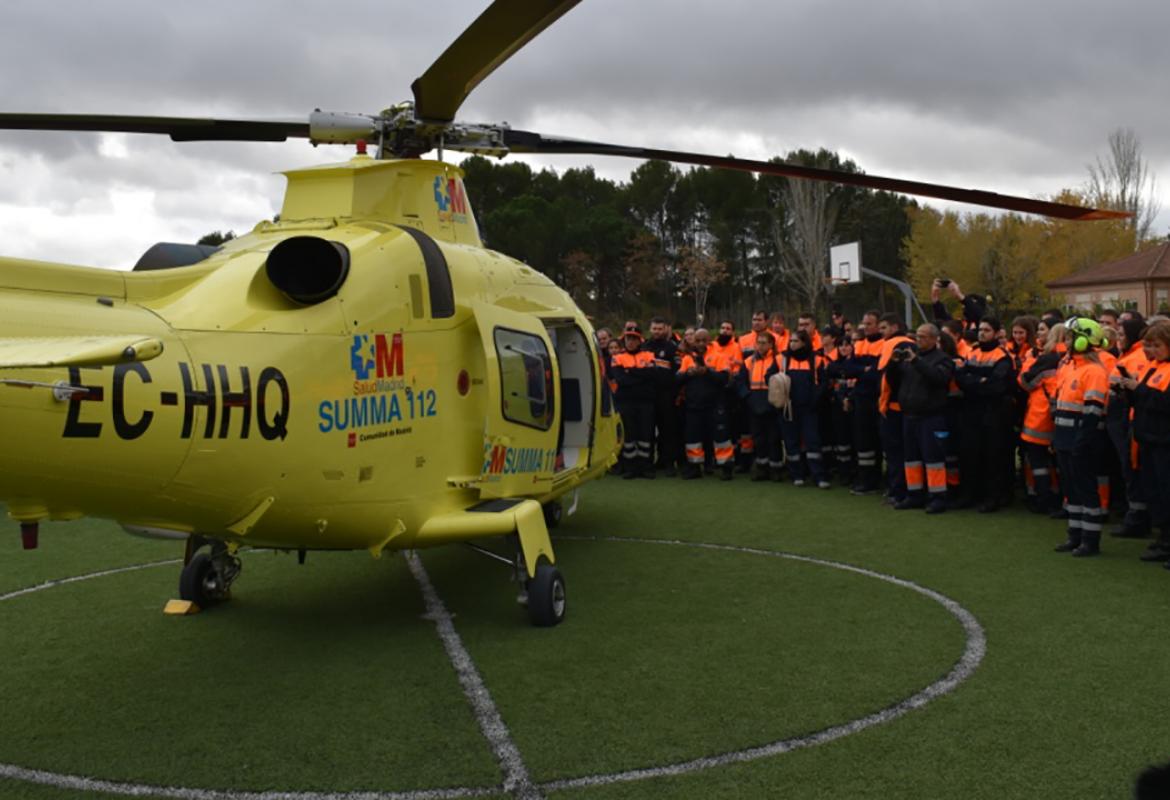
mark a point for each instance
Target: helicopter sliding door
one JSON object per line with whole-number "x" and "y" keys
{"x": 577, "y": 363}
{"x": 522, "y": 412}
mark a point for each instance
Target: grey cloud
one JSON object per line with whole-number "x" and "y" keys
{"x": 988, "y": 93}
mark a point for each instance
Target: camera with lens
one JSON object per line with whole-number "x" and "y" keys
{"x": 901, "y": 354}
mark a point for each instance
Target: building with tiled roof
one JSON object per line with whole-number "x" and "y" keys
{"x": 1140, "y": 281}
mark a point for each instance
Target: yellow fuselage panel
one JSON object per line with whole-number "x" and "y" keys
{"x": 427, "y": 195}
{"x": 350, "y": 414}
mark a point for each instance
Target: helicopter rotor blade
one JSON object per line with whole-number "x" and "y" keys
{"x": 502, "y": 29}
{"x": 527, "y": 142}
{"x": 180, "y": 129}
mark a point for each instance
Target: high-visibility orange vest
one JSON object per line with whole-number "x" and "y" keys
{"x": 757, "y": 369}
{"x": 1019, "y": 355}
{"x": 732, "y": 355}
{"x": 780, "y": 344}
{"x": 867, "y": 349}
{"x": 986, "y": 359}
{"x": 1108, "y": 360}
{"x": 885, "y": 402}
{"x": 643, "y": 359}
{"x": 1038, "y": 425}
{"x": 813, "y": 364}
{"x": 815, "y": 336}
{"x": 1083, "y": 391}
{"x": 1134, "y": 361}
{"x": 712, "y": 359}
{"x": 1147, "y": 432}
{"x": 747, "y": 342}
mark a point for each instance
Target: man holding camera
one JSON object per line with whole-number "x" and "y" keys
{"x": 894, "y": 332}
{"x": 921, "y": 377}
{"x": 974, "y": 306}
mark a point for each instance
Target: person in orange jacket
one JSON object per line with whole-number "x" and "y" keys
{"x": 862, "y": 371}
{"x": 1131, "y": 363}
{"x": 752, "y": 385}
{"x": 807, "y": 322}
{"x": 893, "y": 331}
{"x": 1149, "y": 396}
{"x": 633, "y": 372}
{"x": 703, "y": 376}
{"x": 920, "y": 378}
{"x": 798, "y": 423}
{"x": 727, "y": 346}
{"x": 779, "y": 330}
{"x": 1038, "y": 379}
{"x": 839, "y": 387}
{"x": 1082, "y": 394}
{"x": 986, "y": 378}
{"x": 747, "y": 342}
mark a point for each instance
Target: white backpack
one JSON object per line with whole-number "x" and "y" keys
{"x": 779, "y": 388}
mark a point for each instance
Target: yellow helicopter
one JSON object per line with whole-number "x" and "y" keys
{"x": 359, "y": 374}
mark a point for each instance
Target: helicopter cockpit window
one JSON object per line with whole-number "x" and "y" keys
{"x": 526, "y": 377}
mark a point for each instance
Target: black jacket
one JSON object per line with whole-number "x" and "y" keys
{"x": 665, "y": 352}
{"x": 703, "y": 391}
{"x": 1151, "y": 411}
{"x": 923, "y": 384}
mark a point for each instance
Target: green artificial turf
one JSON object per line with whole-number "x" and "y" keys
{"x": 325, "y": 677}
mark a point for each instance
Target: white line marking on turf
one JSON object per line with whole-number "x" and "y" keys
{"x": 520, "y": 785}
{"x": 80, "y": 783}
{"x": 40, "y": 587}
{"x": 516, "y": 780}
{"x": 973, "y": 652}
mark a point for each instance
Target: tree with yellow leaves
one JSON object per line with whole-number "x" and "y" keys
{"x": 1008, "y": 257}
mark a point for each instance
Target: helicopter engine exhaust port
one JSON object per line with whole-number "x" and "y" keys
{"x": 308, "y": 269}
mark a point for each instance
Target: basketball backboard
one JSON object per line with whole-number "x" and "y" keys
{"x": 845, "y": 263}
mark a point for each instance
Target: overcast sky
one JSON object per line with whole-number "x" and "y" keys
{"x": 1015, "y": 97}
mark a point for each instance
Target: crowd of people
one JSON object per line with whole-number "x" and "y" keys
{"x": 963, "y": 413}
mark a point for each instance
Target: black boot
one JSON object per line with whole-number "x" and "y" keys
{"x": 1134, "y": 525}
{"x": 1157, "y": 550}
{"x": 726, "y": 472}
{"x": 691, "y": 472}
{"x": 761, "y": 473}
{"x": 1074, "y": 541}
{"x": 1090, "y": 544}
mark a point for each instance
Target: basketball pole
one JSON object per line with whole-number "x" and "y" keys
{"x": 907, "y": 293}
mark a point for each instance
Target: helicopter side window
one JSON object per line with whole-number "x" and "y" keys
{"x": 526, "y": 376}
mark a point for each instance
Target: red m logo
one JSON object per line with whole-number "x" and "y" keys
{"x": 458, "y": 198}
{"x": 388, "y": 359}
{"x": 498, "y": 454}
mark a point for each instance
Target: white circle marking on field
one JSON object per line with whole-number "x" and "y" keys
{"x": 974, "y": 651}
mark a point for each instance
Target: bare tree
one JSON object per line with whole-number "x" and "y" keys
{"x": 803, "y": 239}
{"x": 1124, "y": 182}
{"x": 700, "y": 271}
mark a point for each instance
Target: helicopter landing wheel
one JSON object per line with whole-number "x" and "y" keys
{"x": 206, "y": 580}
{"x": 546, "y": 597}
